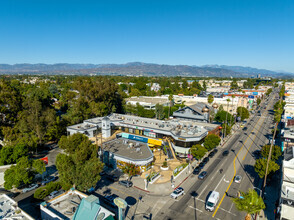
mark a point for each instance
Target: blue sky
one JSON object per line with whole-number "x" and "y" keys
{"x": 257, "y": 33}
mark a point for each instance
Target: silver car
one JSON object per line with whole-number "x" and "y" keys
{"x": 31, "y": 187}
{"x": 178, "y": 192}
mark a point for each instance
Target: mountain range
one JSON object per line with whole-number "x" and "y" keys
{"x": 139, "y": 69}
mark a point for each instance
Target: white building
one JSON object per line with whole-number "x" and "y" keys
{"x": 9, "y": 209}
{"x": 148, "y": 102}
{"x": 155, "y": 87}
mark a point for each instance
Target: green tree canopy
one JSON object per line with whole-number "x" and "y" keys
{"x": 210, "y": 99}
{"x": 258, "y": 101}
{"x": 260, "y": 167}
{"x": 222, "y": 115}
{"x": 159, "y": 111}
{"x": 242, "y": 112}
{"x": 251, "y": 203}
{"x": 80, "y": 166}
{"x": 23, "y": 172}
{"x": 198, "y": 151}
{"x": 276, "y": 152}
{"x": 211, "y": 141}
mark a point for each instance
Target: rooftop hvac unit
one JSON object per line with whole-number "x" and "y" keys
{"x": 138, "y": 149}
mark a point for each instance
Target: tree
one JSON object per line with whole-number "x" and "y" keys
{"x": 276, "y": 152}
{"x": 23, "y": 172}
{"x": 251, "y": 203}
{"x": 170, "y": 98}
{"x": 80, "y": 166}
{"x": 131, "y": 170}
{"x": 211, "y": 141}
{"x": 210, "y": 99}
{"x": 234, "y": 85}
{"x": 260, "y": 167}
{"x": 204, "y": 86}
{"x": 226, "y": 129}
{"x": 242, "y": 113}
{"x": 221, "y": 116}
{"x": 258, "y": 101}
{"x": 198, "y": 151}
{"x": 159, "y": 111}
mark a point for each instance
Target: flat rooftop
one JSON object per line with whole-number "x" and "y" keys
{"x": 81, "y": 127}
{"x": 126, "y": 148}
{"x": 9, "y": 209}
{"x": 178, "y": 127}
{"x": 64, "y": 205}
{"x": 149, "y": 99}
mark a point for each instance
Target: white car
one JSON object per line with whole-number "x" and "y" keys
{"x": 238, "y": 179}
{"x": 31, "y": 187}
{"x": 179, "y": 191}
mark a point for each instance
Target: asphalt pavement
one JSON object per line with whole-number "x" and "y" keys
{"x": 240, "y": 161}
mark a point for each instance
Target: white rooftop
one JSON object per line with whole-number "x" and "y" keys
{"x": 9, "y": 209}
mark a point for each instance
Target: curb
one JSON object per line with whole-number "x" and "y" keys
{"x": 142, "y": 189}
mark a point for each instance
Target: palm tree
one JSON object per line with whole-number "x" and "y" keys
{"x": 228, "y": 100}
{"x": 233, "y": 96}
{"x": 170, "y": 98}
{"x": 250, "y": 202}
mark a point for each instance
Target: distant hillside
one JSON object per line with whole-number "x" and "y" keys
{"x": 135, "y": 69}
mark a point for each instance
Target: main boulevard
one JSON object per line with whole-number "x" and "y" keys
{"x": 240, "y": 161}
{"x": 242, "y": 147}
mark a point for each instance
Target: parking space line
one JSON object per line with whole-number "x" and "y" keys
{"x": 200, "y": 200}
{"x": 228, "y": 211}
{"x": 195, "y": 208}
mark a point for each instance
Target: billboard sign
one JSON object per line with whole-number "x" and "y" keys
{"x": 250, "y": 97}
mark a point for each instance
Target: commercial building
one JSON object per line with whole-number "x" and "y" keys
{"x": 286, "y": 207}
{"x": 148, "y": 102}
{"x": 9, "y": 209}
{"x": 71, "y": 205}
{"x": 183, "y": 133}
{"x": 196, "y": 112}
{"x": 123, "y": 150}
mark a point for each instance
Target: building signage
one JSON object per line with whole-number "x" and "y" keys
{"x": 250, "y": 97}
{"x": 254, "y": 93}
{"x": 138, "y": 138}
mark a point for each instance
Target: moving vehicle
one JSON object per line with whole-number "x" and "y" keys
{"x": 226, "y": 153}
{"x": 238, "y": 179}
{"x": 126, "y": 183}
{"x": 178, "y": 192}
{"x": 30, "y": 188}
{"x": 202, "y": 175}
{"x": 212, "y": 201}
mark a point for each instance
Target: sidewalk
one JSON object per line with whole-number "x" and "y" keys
{"x": 163, "y": 189}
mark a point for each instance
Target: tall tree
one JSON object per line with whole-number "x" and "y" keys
{"x": 210, "y": 99}
{"x": 198, "y": 151}
{"x": 80, "y": 165}
{"x": 260, "y": 167}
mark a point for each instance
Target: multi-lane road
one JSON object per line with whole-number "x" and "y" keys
{"x": 240, "y": 161}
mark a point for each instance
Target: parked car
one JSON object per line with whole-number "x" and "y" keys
{"x": 112, "y": 178}
{"x": 215, "y": 150}
{"x": 211, "y": 154}
{"x": 238, "y": 179}
{"x": 196, "y": 171}
{"x": 201, "y": 165}
{"x": 206, "y": 159}
{"x": 48, "y": 180}
{"x": 30, "y": 188}
{"x": 109, "y": 200}
{"x": 178, "y": 192}
{"x": 202, "y": 175}
{"x": 55, "y": 193}
{"x": 226, "y": 153}
{"x": 126, "y": 183}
